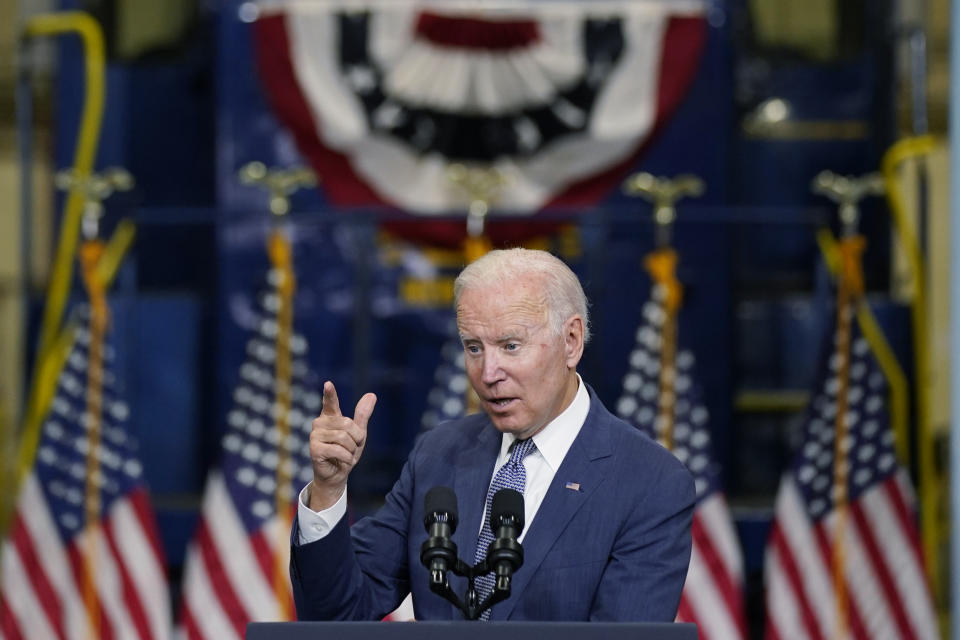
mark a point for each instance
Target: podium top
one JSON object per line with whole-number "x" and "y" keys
{"x": 470, "y": 630}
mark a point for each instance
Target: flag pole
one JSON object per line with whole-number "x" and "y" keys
{"x": 92, "y": 190}
{"x": 91, "y": 249}
{"x": 846, "y": 191}
{"x": 281, "y": 184}
{"x": 280, "y": 252}
{"x": 661, "y": 263}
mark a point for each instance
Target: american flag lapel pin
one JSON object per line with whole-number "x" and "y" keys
{"x": 573, "y": 486}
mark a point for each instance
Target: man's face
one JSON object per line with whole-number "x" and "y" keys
{"x": 524, "y": 374}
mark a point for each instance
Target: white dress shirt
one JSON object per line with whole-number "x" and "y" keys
{"x": 553, "y": 442}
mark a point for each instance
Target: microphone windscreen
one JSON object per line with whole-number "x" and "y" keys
{"x": 507, "y": 503}
{"x": 441, "y": 500}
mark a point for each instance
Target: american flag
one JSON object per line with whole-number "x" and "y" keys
{"x": 713, "y": 593}
{"x": 236, "y": 569}
{"x": 851, "y": 568}
{"x": 447, "y": 399}
{"x": 62, "y": 577}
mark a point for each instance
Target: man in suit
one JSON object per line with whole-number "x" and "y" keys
{"x": 608, "y": 511}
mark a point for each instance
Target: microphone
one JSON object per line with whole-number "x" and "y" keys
{"x": 438, "y": 552}
{"x": 505, "y": 554}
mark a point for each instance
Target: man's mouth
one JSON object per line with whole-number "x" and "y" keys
{"x": 500, "y": 403}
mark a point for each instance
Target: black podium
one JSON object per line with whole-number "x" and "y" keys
{"x": 469, "y": 631}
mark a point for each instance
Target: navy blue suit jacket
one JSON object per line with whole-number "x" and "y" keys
{"x": 614, "y": 549}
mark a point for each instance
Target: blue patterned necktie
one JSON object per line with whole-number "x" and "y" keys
{"x": 512, "y": 475}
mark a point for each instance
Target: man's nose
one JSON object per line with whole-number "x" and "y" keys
{"x": 492, "y": 371}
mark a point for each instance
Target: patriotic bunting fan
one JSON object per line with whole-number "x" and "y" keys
{"x": 383, "y": 97}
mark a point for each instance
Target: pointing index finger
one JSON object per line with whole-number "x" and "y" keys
{"x": 331, "y": 404}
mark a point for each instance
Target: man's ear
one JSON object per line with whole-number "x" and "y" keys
{"x": 573, "y": 341}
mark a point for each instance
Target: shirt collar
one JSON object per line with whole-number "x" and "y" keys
{"x": 555, "y": 439}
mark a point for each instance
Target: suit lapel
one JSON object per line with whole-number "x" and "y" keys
{"x": 584, "y": 463}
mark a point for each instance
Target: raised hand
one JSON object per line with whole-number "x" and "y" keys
{"x": 336, "y": 444}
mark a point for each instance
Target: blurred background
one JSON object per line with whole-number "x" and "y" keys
{"x": 233, "y": 290}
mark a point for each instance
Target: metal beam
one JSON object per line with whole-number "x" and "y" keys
{"x": 955, "y": 318}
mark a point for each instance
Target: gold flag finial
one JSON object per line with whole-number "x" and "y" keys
{"x": 482, "y": 186}
{"x": 664, "y": 194}
{"x": 94, "y": 189}
{"x": 281, "y": 183}
{"x": 847, "y": 192}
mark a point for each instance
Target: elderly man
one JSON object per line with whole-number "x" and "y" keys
{"x": 608, "y": 511}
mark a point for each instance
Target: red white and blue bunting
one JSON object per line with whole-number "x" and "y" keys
{"x": 559, "y": 97}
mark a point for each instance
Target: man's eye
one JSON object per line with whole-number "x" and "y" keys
{"x": 511, "y": 346}
{"x": 472, "y": 348}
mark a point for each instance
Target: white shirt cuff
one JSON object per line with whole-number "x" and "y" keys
{"x": 315, "y": 525}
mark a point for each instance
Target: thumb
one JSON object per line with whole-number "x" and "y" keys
{"x": 364, "y": 410}
{"x": 331, "y": 404}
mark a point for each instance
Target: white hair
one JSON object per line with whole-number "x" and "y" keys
{"x": 561, "y": 288}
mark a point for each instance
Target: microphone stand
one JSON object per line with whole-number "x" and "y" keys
{"x": 500, "y": 549}
{"x": 469, "y": 606}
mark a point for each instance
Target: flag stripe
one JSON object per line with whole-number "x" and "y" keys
{"x": 262, "y": 554}
{"x": 232, "y": 542}
{"x": 8, "y": 624}
{"x": 707, "y": 601}
{"x": 134, "y": 607}
{"x": 823, "y": 535}
{"x": 799, "y": 549}
{"x": 139, "y": 502}
{"x": 276, "y": 530}
{"x": 30, "y": 615}
{"x": 886, "y": 510}
{"x": 719, "y": 582}
{"x": 110, "y": 588}
{"x": 795, "y": 583}
{"x": 36, "y": 575}
{"x": 866, "y": 588}
{"x": 141, "y": 561}
{"x": 190, "y": 629}
{"x": 890, "y": 600}
{"x": 716, "y": 518}
{"x": 51, "y": 554}
{"x": 76, "y": 564}
{"x": 222, "y": 587}
{"x": 901, "y": 499}
{"x": 212, "y": 621}
{"x": 783, "y": 604}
